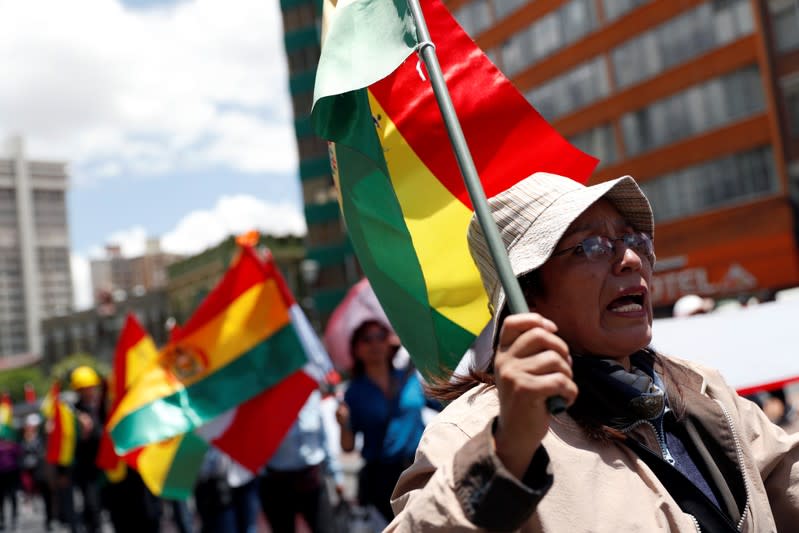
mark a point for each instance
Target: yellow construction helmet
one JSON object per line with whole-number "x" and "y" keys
{"x": 84, "y": 377}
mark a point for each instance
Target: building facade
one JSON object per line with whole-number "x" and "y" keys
{"x": 697, "y": 99}
{"x": 140, "y": 274}
{"x": 330, "y": 267}
{"x": 35, "y": 278}
{"x": 96, "y": 331}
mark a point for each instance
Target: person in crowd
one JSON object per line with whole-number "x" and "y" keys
{"x": 10, "y": 453}
{"x": 131, "y": 505}
{"x": 692, "y": 304}
{"x": 181, "y": 516}
{"x": 779, "y": 409}
{"x": 226, "y": 495}
{"x": 648, "y": 442}
{"x": 213, "y": 494}
{"x": 32, "y": 466}
{"x": 294, "y": 479}
{"x": 385, "y": 405}
{"x": 86, "y": 475}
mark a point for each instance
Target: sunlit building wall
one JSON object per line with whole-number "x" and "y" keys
{"x": 697, "y": 99}
{"x": 35, "y": 279}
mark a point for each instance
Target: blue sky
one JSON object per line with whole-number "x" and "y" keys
{"x": 174, "y": 118}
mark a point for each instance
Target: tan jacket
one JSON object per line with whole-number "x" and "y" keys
{"x": 598, "y": 486}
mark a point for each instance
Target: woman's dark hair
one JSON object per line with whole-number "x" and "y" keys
{"x": 448, "y": 385}
{"x": 357, "y": 365}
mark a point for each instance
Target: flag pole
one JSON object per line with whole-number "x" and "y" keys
{"x": 513, "y": 292}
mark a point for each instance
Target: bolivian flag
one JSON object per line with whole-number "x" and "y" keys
{"x": 240, "y": 342}
{"x": 47, "y": 407}
{"x": 7, "y": 431}
{"x": 135, "y": 351}
{"x": 170, "y": 468}
{"x": 401, "y": 191}
{"x": 63, "y": 436}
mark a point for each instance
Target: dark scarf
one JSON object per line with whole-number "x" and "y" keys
{"x": 611, "y": 396}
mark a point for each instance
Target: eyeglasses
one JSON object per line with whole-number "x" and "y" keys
{"x": 599, "y": 247}
{"x": 375, "y": 336}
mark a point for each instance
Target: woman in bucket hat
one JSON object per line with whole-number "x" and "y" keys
{"x": 649, "y": 443}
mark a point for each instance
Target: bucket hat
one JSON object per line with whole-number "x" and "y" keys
{"x": 533, "y": 215}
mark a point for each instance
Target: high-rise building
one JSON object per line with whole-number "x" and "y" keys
{"x": 130, "y": 275}
{"x": 330, "y": 267}
{"x": 697, "y": 99}
{"x": 35, "y": 279}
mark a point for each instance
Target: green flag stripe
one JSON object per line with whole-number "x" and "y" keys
{"x": 255, "y": 371}
{"x": 385, "y": 250}
{"x": 183, "y": 472}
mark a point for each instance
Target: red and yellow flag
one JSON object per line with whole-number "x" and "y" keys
{"x": 63, "y": 435}
{"x": 134, "y": 352}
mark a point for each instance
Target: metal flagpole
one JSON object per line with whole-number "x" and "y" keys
{"x": 510, "y": 284}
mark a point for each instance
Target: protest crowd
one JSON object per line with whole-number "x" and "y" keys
{"x": 546, "y": 406}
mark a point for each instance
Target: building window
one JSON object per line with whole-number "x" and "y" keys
{"x": 303, "y": 59}
{"x": 719, "y": 183}
{"x": 503, "y": 8}
{"x": 474, "y": 17}
{"x": 302, "y": 102}
{"x": 790, "y": 91}
{"x": 599, "y": 142}
{"x": 547, "y": 35}
{"x": 682, "y": 38}
{"x": 568, "y": 92}
{"x": 297, "y": 17}
{"x": 695, "y": 110}
{"x": 311, "y": 147}
{"x": 494, "y": 57}
{"x": 616, "y": 8}
{"x": 785, "y": 18}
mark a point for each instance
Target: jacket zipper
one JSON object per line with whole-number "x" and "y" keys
{"x": 664, "y": 450}
{"x": 739, "y": 454}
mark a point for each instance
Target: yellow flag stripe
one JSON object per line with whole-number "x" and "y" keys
{"x": 437, "y": 222}
{"x": 69, "y": 435}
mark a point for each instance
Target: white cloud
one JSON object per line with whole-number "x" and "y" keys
{"x": 232, "y": 215}
{"x": 81, "y": 282}
{"x": 147, "y": 91}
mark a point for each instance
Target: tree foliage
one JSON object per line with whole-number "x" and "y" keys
{"x": 64, "y": 367}
{"x": 13, "y": 381}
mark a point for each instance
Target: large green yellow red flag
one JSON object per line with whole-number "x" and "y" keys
{"x": 169, "y": 468}
{"x": 401, "y": 192}
{"x": 240, "y": 342}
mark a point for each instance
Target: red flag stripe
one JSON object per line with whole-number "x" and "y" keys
{"x": 495, "y": 138}
{"x": 279, "y": 405}
{"x": 247, "y": 271}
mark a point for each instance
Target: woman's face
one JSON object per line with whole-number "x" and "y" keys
{"x": 373, "y": 345}
{"x": 601, "y": 307}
